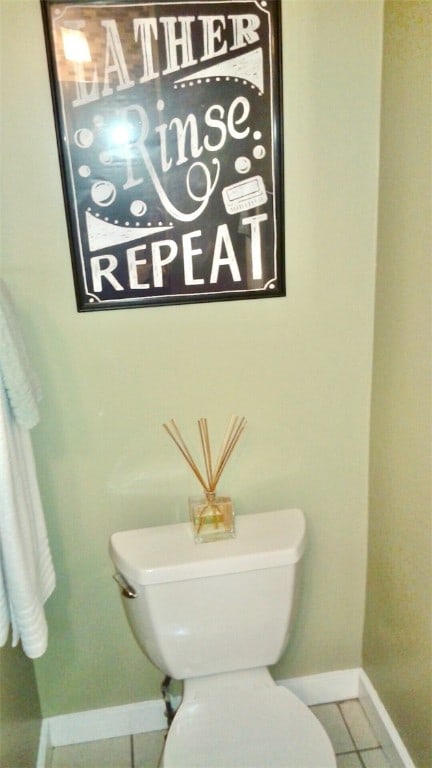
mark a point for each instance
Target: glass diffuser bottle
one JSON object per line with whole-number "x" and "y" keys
{"x": 212, "y": 517}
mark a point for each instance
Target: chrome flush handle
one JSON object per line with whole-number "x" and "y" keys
{"x": 125, "y": 588}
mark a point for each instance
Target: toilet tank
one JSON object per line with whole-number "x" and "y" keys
{"x": 202, "y": 609}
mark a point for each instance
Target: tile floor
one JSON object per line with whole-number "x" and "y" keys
{"x": 354, "y": 742}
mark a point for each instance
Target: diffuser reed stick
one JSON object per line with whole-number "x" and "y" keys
{"x": 174, "y": 433}
{"x": 205, "y": 444}
{"x": 228, "y": 446}
{"x": 233, "y": 432}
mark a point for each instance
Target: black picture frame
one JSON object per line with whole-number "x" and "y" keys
{"x": 169, "y": 128}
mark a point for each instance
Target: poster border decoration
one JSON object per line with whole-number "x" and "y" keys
{"x": 185, "y": 202}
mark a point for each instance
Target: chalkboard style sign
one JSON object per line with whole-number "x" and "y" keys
{"x": 168, "y": 118}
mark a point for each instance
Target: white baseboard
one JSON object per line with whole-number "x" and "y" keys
{"x": 145, "y": 716}
{"x": 383, "y": 725}
{"x": 96, "y": 724}
{"x": 325, "y": 687}
{"x": 44, "y": 746}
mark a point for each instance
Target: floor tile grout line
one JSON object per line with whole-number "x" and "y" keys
{"x": 366, "y": 749}
{"x": 357, "y": 748}
{"x": 338, "y": 705}
{"x": 355, "y": 752}
{"x": 378, "y": 744}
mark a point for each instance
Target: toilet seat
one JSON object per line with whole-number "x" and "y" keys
{"x": 244, "y": 724}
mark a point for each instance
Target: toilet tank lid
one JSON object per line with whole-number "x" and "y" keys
{"x": 169, "y": 553}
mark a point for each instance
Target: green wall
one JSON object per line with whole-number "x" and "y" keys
{"x": 398, "y": 627}
{"x": 299, "y": 368}
{"x": 20, "y": 714}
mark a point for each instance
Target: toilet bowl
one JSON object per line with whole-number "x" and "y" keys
{"x": 216, "y": 615}
{"x": 245, "y": 720}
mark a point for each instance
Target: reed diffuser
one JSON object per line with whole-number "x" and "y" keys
{"x": 212, "y": 516}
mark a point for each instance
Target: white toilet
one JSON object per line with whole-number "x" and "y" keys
{"x": 216, "y": 615}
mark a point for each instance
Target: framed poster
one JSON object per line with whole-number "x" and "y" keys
{"x": 169, "y": 127}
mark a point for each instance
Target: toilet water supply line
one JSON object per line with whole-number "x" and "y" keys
{"x": 169, "y": 709}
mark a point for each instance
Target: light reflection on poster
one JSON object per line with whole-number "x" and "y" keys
{"x": 168, "y": 117}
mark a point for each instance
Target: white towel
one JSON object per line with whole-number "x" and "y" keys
{"x": 19, "y": 378}
{"x": 26, "y": 571}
